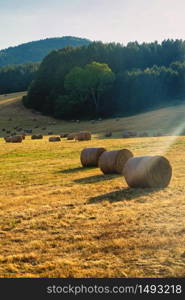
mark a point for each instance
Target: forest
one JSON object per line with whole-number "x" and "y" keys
{"x": 17, "y": 78}
{"x": 104, "y": 80}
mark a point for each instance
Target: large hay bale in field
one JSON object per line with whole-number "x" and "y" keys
{"x": 83, "y": 136}
{"x": 90, "y": 156}
{"x": 54, "y": 139}
{"x": 37, "y": 137}
{"x": 147, "y": 171}
{"x": 111, "y": 162}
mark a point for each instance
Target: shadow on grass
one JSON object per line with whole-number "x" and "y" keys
{"x": 95, "y": 178}
{"x": 74, "y": 170}
{"x": 124, "y": 194}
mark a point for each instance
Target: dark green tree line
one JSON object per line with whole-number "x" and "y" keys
{"x": 145, "y": 76}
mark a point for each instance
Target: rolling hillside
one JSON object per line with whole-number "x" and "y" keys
{"x": 167, "y": 121}
{"x": 35, "y": 51}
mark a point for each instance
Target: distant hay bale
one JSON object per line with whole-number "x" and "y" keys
{"x": 147, "y": 171}
{"x": 111, "y": 162}
{"x": 63, "y": 135}
{"x": 50, "y": 133}
{"x": 108, "y": 134}
{"x": 90, "y": 156}
{"x": 37, "y": 137}
{"x": 7, "y": 139}
{"x": 14, "y": 139}
{"x": 71, "y": 136}
{"x": 83, "y": 136}
{"x": 54, "y": 139}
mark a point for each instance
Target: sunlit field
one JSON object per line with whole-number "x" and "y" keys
{"x": 58, "y": 219}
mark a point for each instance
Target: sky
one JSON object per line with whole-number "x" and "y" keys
{"x": 121, "y": 21}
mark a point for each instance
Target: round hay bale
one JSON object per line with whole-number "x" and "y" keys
{"x": 54, "y": 139}
{"x": 71, "y": 136}
{"x": 14, "y": 139}
{"x": 111, "y": 162}
{"x": 83, "y": 136}
{"x": 90, "y": 156}
{"x": 147, "y": 171}
{"x": 37, "y": 137}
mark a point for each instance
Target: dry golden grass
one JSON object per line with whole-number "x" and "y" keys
{"x": 60, "y": 220}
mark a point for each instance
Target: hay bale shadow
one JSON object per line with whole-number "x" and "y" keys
{"x": 74, "y": 170}
{"x": 123, "y": 194}
{"x": 95, "y": 178}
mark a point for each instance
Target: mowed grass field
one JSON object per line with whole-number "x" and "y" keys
{"x": 58, "y": 219}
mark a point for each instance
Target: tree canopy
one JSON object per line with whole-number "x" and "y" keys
{"x": 89, "y": 83}
{"x": 109, "y": 79}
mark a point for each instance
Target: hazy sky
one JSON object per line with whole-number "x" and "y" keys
{"x": 107, "y": 20}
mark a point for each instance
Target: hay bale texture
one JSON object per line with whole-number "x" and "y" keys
{"x": 13, "y": 139}
{"x": 147, "y": 171}
{"x": 54, "y": 139}
{"x": 83, "y": 136}
{"x": 111, "y": 162}
{"x": 90, "y": 156}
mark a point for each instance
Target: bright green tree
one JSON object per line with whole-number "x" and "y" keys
{"x": 89, "y": 83}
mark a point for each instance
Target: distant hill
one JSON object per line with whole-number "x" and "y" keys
{"x": 35, "y": 51}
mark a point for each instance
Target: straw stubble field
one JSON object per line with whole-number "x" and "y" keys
{"x": 58, "y": 219}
